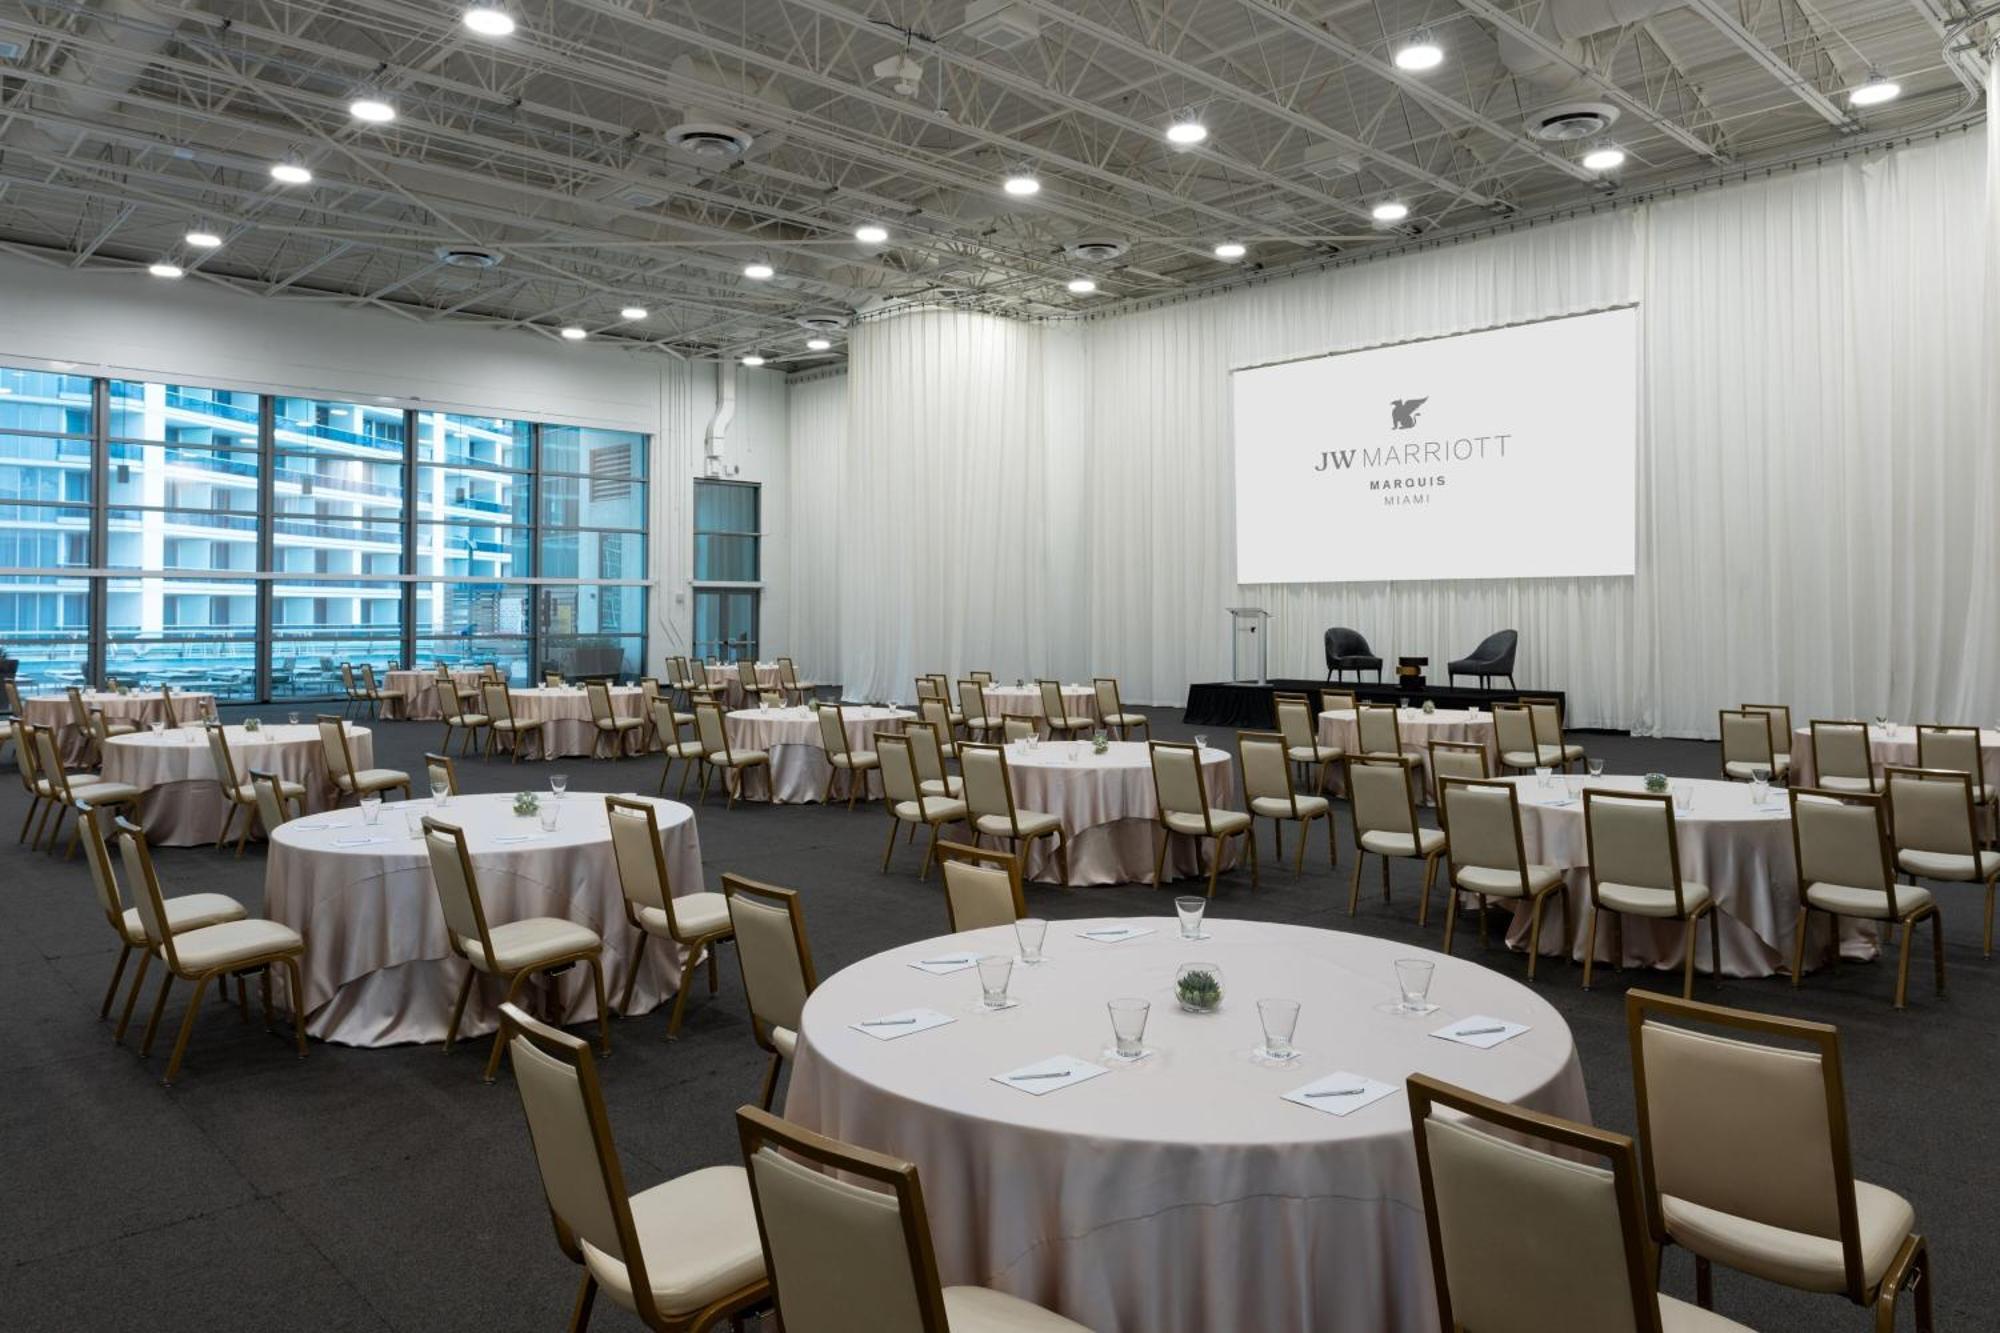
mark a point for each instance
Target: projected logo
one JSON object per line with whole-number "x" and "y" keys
{"x": 1403, "y": 413}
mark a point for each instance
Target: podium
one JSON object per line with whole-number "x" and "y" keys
{"x": 1247, "y": 651}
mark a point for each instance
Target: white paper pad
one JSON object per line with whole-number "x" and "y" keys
{"x": 1073, "y": 1072}
{"x": 301, "y": 827}
{"x": 903, "y": 1023}
{"x": 1472, "y": 1031}
{"x": 944, "y": 964}
{"x": 1561, "y": 801}
{"x": 1372, "y": 1091}
{"x": 357, "y": 842}
{"x": 1113, "y": 934}
{"x": 519, "y": 837}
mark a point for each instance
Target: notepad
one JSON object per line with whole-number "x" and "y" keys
{"x": 1480, "y": 1031}
{"x": 1113, "y": 934}
{"x": 519, "y": 837}
{"x": 357, "y": 842}
{"x": 1046, "y": 1076}
{"x": 1340, "y": 1093}
{"x": 300, "y": 827}
{"x": 946, "y": 963}
{"x": 902, "y": 1023}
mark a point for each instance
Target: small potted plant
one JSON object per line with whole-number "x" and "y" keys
{"x": 527, "y": 804}
{"x": 1656, "y": 782}
{"x": 252, "y": 725}
{"x": 1099, "y": 742}
{"x": 1430, "y": 706}
{"x": 1198, "y": 987}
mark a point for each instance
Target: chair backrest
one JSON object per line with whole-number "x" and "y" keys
{"x": 1052, "y": 700}
{"x": 1378, "y": 728}
{"x": 270, "y": 798}
{"x": 972, "y": 700}
{"x": 1781, "y": 724}
{"x": 926, "y": 749}
{"x": 1483, "y": 821}
{"x": 167, "y": 705}
{"x": 665, "y": 722}
{"x": 1267, "y": 773}
{"x": 982, "y": 887}
{"x": 1018, "y": 727}
{"x": 1746, "y": 737}
{"x": 649, "y": 692}
{"x": 48, "y": 758}
{"x": 987, "y": 790}
{"x": 1744, "y": 1126}
{"x": 771, "y": 948}
{"x": 368, "y": 679}
{"x": 1106, "y": 689}
{"x": 1296, "y": 723}
{"x": 926, "y": 687}
{"x": 218, "y": 752}
{"x": 714, "y": 736}
{"x": 1842, "y": 838}
{"x": 1458, "y": 759}
{"x": 1956, "y": 748}
{"x": 439, "y": 768}
{"x": 1583, "y": 1259}
{"x": 1841, "y": 750}
{"x": 79, "y": 712}
{"x": 833, "y": 729}
{"x": 491, "y": 672}
{"x": 984, "y": 678}
{"x": 941, "y": 685}
{"x": 1379, "y": 792}
{"x": 146, "y": 896}
{"x": 457, "y": 887}
{"x": 1344, "y": 642}
{"x": 499, "y": 702}
{"x": 1338, "y": 701}
{"x": 1514, "y": 730}
{"x": 552, "y": 680}
{"x": 1496, "y": 651}
{"x": 13, "y": 696}
{"x": 1630, "y": 841}
{"x": 446, "y": 690}
{"x": 333, "y": 746}
{"x": 788, "y": 675}
{"x": 1548, "y": 714}
{"x": 27, "y": 748}
{"x": 899, "y": 771}
{"x": 581, "y": 1176}
{"x": 1177, "y": 784}
{"x": 103, "y": 876}
{"x": 347, "y": 678}
{"x": 99, "y": 728}
{"x": 642, "y": 863}
{"x": 1930, "y": 810}
{"x": 600, "y": 703}
{"x": 937, "y": 713}
{"x": 677, "y": 673}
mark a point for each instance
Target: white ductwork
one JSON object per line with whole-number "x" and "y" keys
{"x": 718, "y": 425}
{"x": 88, "y": 86}
{"x": 1571, "y": 21}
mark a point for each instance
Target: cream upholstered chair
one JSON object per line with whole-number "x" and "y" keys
{"x": 202, "y": 707}
{"x": 1743, "y": 1135}
{"x": 979, "y": 725}
{"x": 1267, "y": 789}
{"x": 696, "y": 922}
{"x": 1385, "y": 824}
{"x": 1750, "y": 743}
{"x": 451, "y": 707}
{"x": 1182, "y": 797}
{"x": 1458, "y": 759}
{"x": 204, "y": 954}
{"x": 1936, "y": 831}
{"x": 67, "y": 791}
{"x": 1303, "y": 747}
{"x": 448, "y": 684}
{"x": 841, "y": 756}
{"x": 1055, "y": 712}
{"x": 1781, "y": 726}
{"x": 1959, "y": 750}
{"x": 1515, "y": 734}
{"x": 238, "y": 793}
{"x": 985, "y": 678}
{"x": 389, "y": 705}
{"x": 79, "y": 717}
{"x": 683, "y": 1255}
{"x": 351, "y": 687}
{"x": 735, "y": 765}
{"x": 1522, "y": 1238}
{"x": 189, "y": 911}
{"x": 981, "y": 888}
{"x": 346, "y": 778}
{"x": 1547, "y": 711}
{"x": 1843, "y": 760}
{"x": 1840, "y": 847}
{"x": 503, "y": 726}
{"x": 928, "y": 753}
{"x": 1111, "y": 712}
{"x": 30, "y": 772}
{"x": 777, "y": 964}
{"x": 270, "y": 792}
{"x": 989, "y": 805}
{"x": 612, "y": 726}
{"x": 667, "y": 723}
{"x": 1019, "y": 727}
{"x": 907, "y": 801}
{"x": 515, "y": 950}
{"x": 934, "y": 713}
{"x": 1487, "y": 858}
{"x": 649, "y": 694}
{"x": 552, "y": 680}
{"x": 796, "y": 691}
{"x": 439, "y": 768}
{"x": 1635, "y": 867}
{"x": 847, "y": 1242}
{"x": 1379, "y": 736}
{"x": 1338, "y": 701}
{"x": 941, "y": 689}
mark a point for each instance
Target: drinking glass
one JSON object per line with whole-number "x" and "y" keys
{"x": 1128, "y": 1026}
{"x": 159, "y": 725}
{"x": 1413, "y": 981}
{"x": 1684, "y": 799}
{"x": 1075, "y": 750}
{"x": 1543, "y": 775}
{"x": 292, "y": 719}
{"x": 1760, "y": 790}
{"x": 413, "y": 823}
{"x": 1190, "y": 910}
{"x": 994, "y": 971}
{"x": 1572, "y": 784}
{"x": 1200, "y": 741}
{"x": 558, "y": 783}
{"x": 1280, "y": 1019}
{"x": 549, "y": 813}
{"x": 1596, "y": 767}
{"x": 1759, "y": 773}
{"x": 440, "y": 792}
{"x": 371, "y": 809}
{"x": 1029, "y": 932}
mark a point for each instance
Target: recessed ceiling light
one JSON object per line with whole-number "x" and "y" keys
{"x": 1082, "y": 286}
{"x": 1391, "y": 211}
{"x": 574, "y": 333}
{"x": 1022, "y": 183}
{"x": 759, "y": 271}
{"x": 753, "y": 360}
{"x": 633, "y": 312}
{"x": 291, "y": 171}
{"x": 1877, "y": 90}
{"x": 201, "y": 238}
{"x": 1187, "y": 130}
{"x": 163, "y": 269}
{"x": 871, "y": 234}
{"x": 372, "y": 109}
{"x": 1609, "y": 157}
{"x": 817, "y": 344}
{"x": 1229, "y": 250}
{"x": 1420, "y": 52}
{"x": 489, "y": 20}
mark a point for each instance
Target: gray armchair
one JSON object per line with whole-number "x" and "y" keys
{"x": 1493, "y": 657}
{"x": 1347, "y": 651}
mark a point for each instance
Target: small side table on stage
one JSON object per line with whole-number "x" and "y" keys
{"x": 1410, "y": 672}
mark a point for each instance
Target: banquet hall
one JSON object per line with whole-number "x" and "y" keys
{"x": 999, "y": 666}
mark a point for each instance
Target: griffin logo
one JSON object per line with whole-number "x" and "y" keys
{"x": 1403, "y": 413}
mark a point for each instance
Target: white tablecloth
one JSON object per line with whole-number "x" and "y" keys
{"x": 378, "y": 965}
{"x": 1179, "y": 1194}
{"x": 570, "y": 731}
{"x": 798, "y": 758}
{"x": 1339, "y": 726}
{"x": 1895, "y": 744}
{"x": 143, "y": 707}
{"x": 1026, "y": 701}
{"x": 418, "y": 692}
{"x": 1109, "y": 811}
{"x": 184, "y": 804}
{"x": 1741, "y": 851}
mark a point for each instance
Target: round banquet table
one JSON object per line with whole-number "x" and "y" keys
{"x": 1178, "y": 1194}
{"x": 1894, "y": 744}
{"x": 1742, "y": 851}
{"x": 378, "y": 963}
{"x": 1110, "y": 813}
{"x": 726, "y": 678}
{"x": 568, "y": 730}
{"x": 799, "y": 770}
{"x": 142, "y": 707}
{"x": 418, "y": 692}
{"x": 185, "y": 806}
{"x": 1338, "y": 726}
{"x": 1026, "y": 701}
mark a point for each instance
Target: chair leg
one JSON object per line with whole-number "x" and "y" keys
{"x": 1424, "y": 903}
{"x": 681, "y": 994}
{"x": 458, "y": 1006}
{"x": 1715, "y": 944}
{"x": 579, "y": 1318}
{"x": 603, "y": 1009}
{"x": 1450, "y": 910}
{"x": 632, "y": 973}
{"x": 132, "y": 996}
{"x": 771, "y": 1082}
{"x": 1159, "y": 856}
{"x": 1534, "y": 932}
{"x": 249, "y": 818}
{"x": 153, "y": 1022}
{"x": 1704, "y": 1283}
{"x": 1689, "y": 934}
{"x": 500, "y": 1037}
{"x": 187, "y": 1030}
{"x": 930, "y": 854}
{"x": 34, "y": 807}
{"x": 117, "y": 974}
{"x": 1299, "y": 859}
{"x": 1937, "y": 947}
{"x": 228, "y": 818}
{"x": 1590, "y": 947}
{"x": 1902, "y": 964}
{"x": 890, "y": 850}
{"x": 1354, "y": 888}
{"x": 1062, "y": 858}
{"x": 1799, "y": 943}
{"x": 1250, "y": 841}
{"x": 1214, "y": 864}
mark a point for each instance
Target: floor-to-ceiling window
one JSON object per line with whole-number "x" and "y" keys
{"x": 727, "y": 569}
{"x": 593, "y": 531}
{"x": 46, "y": 433}
{"x": 474, "y": 533}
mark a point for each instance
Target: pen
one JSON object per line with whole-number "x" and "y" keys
{"x": 1053, "y": 1073}
{"x": 1338, "y": 1092}
{"x": 889, "y": 1022}
{"x": 1478, "y": 1032}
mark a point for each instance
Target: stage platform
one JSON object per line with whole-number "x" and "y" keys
{"x": 1245, "y": 705}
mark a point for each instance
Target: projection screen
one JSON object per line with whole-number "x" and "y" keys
{"x": 1497, "y": 454}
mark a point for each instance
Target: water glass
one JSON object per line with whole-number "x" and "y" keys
{"x": 1190, "y": 910}
{"x": 1684, "y": 799}
{"x": 1759, "y": 773}
{"x": 1075, "y": 751}
{"x": 413, "y": 823}
{"x": 1596, "y": 767}
{"x": 1413, "y": 981}
{"x": 440, "y": 793}
{"x": 1200, "y": 741}
{"x": 1280, "y": 1019}
{"x": 1760, "y": 790}
{"x": 994, "y": 972}
{"x": 1029, "y": 932}
{"x": 558, "y": 783}
{"x": 1543, "y": 775}
{"x": 1572, "y": 784}
{"x": 292, "y": 719}
{"x": 159, "y": 725}
{"x": 1128, "y": 1026}
{"x": 371, "y": 809}
{"x": 549, "y": 813}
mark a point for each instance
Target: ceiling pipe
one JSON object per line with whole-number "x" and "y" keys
{"x": 717, "y": 435}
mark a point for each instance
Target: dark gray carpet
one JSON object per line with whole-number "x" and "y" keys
{"x": 391, "y": 1189}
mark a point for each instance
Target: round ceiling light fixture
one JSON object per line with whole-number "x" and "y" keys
{"x": 1082, "y": 286}
{"x": 759, "y": 271}
{"x": 1390, "y": 211}
{"x": 633, "y": 312}
{"x": 1230, "y": 250}
{"x": 1604, "y": 157}
{"x": 574, "y": 333}
{"x": 1187, "y": 129}
{"x": 753, "y": 361}
{"x": 871, "y": 234}
{"x": 817, "y": 344}
{"x": 1878, "y": 89}
{"x": 291, "y": 171}
{"x": 371, "y": 107}
{"x": 165, "y": 269}
{"x": 1421, "y": 52}
{"x": 489, "y": 19}
{"x": 201, "y": 238}
{"x": 1022, "y": 184}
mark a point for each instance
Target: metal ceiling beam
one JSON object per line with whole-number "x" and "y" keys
{"x": 1732, "y": 26}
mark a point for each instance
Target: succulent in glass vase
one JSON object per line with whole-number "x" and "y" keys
{"x": 253, "y": 725}
{"x": 1430, "y": 706}
{"x": 1198, "y": 987}
{"x": 526, "y": 803}
{"x": 1099, "y": 742}
{"x": 1656, "y": 782}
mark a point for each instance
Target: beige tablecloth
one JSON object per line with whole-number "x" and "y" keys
{"x": 184, "y": 804}
{"x": 726, "y": 679}
{"x": 1109, "y": 810}
{"x": 143, "y": 707}
{"x": 570, "y": 731}
{"x": 799, "y": 769}
{"x": 1026, "y": 701}
{"x": 1895, "y": 744}
{"x": 1338, "y": 726}
{"x": 1179, "y": 1194}
{"x": 378, "y": 965}
{"x": 418, "y": 692}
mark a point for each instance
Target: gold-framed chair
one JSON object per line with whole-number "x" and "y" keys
{"x": 451, "y": 708}
{"x": 448, "y": 684}
{"x": 387, "y": 705}
{"x": 1846, "y": 867}
{"x": 941, "y": 690}
{"x": 908, "y": 803}
{"x": 845, "y": 1230}
{"x": 1111, "y": 714}
{"x": 1181, "y": 794}
{"x": 1303, "y": 747}
{"x": 990, "y": 808}
{"x": 1547, "y": 712}
{"x": 696, "y": 922}
{"x": 612, "y": 726}
{"x": 981, "y": 887}
{"x": 240, "y": 797}
{"x": 1055, "y": 711}
{"x": 668, "y": 723}
{"x": 1487, "y": 857}
{"x": 67, "y": 790}
{"x": 1336, "y": 700}
{"x": 1525, "y": 1238}
{"x": 79, "y": 717}
{"x": 1749, "y": 742}
{"x": 228, "y": 948}
{"x": 1267, "y": 790}
{"x": 1635, "y": 867}
{"x": 985, "y": 678}
{"x": 841, "y": 756}
{"x": 1781, "y": 727}
{"x": 934, "y": 713}
{"x": 776, "y": 959}
{"x": 1019, "y": 727}
{"x": 271, "y": 808}
{"x": 1457, "y": 759}
{"x": 348, "y": 780}
{"x": 1935, "y": 828}
{"x": 1378, "y": 736}
{"x": 513, "y": 951}
{"x": 1385, "y": 826}
{"x": 796, "y": 691}
{"x": 928, "y": 753}
{"x": 979, "y": 724}
{"x": 1843, "y": 759}
{"x": 1519, "y": 742}
{"x": 735, "y": 765}
{"x": 439, "y": 768}
{"x": 1743, "y": 1134}
{"x": 502, "y": 725}
{"x": 1957, "y": 749}
{"x": 29, "y": 770}
{"x": 683, "y": 1255}
{"x": 552, "y": 680}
